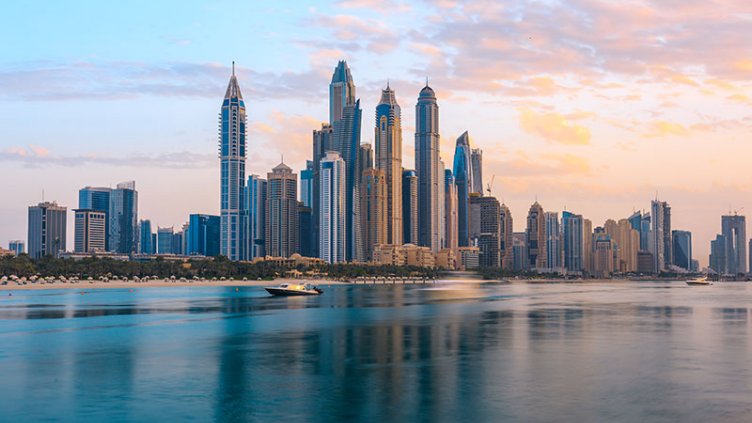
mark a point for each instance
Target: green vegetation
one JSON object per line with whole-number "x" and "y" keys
{"x": 217, "y": 267}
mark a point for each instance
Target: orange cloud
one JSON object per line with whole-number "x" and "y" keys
{"x": 662, "y": 128}
{"x": 553, "y": 127}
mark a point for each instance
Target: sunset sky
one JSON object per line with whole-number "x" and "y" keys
{"x": 591, "y": 106}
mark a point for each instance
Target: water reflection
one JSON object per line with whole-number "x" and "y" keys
{"x": 373, "y": 353}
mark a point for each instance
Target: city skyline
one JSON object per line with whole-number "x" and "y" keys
{"x": 545, "y": 137}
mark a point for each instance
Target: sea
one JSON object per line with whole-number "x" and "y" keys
{"x": 458, "y": 351}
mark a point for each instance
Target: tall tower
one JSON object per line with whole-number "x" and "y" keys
{"x": 255, "y": 212}
{"x": 734, "y": 231}
{"x": 463, "y": 177}
{"x": 536, "y": 238}
{"x": 389, "y": 159}
{"x": 345, "y": 116}
{"x": 450, "y": 212}
{"x": 373, "y": 210}
{"x": 322, "y": 142}
{"x": 476, "y": 163}
{"x": 89, "y": 231}
{"x": 660, "y": 235}
{"x": 572, "y": 233}
{"x": 409, "y": 206}
{"x": 232, "y": 144}
{"x": 281, "y": 212}
{"x": 428, "y": 168}
{"x": 332, "y": 218}
{"x": 507, "y": 229}
{"x": 123, "y": 219}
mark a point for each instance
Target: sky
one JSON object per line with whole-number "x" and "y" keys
{"x": 596, "y": 107}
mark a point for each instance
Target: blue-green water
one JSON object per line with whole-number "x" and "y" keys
{"x": 472, "y": 352}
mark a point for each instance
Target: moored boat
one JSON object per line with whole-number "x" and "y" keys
{"x": 291, "y": 289}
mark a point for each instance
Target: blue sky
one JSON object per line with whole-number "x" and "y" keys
{"x": 594, "y": 114}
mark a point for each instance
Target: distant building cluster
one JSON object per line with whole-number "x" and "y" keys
{"x": 356, "y": 202}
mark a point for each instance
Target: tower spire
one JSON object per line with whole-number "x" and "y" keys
{"x": 233, "y": 68}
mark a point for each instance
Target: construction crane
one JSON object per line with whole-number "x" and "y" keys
{"x": 490, "y": 185}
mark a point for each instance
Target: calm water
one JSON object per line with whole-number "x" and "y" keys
{"x": 472, "y": 352}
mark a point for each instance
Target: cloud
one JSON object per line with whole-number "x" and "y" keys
{"x": 662, "y": 128}
{"x": 553, "y": 127}
{"x": 36, "y": 156}
{"x": 62, "y": 81}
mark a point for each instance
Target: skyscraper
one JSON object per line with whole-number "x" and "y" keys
{"x": 587, "y": 246}
{"x": 203, "y": 235}
{"x": 332, "y": 218}
{"x": 255, "y": 210}
{"x": 485, "y": 229}
{"x": 451, "y": 222}
{"x": 373, "y": 210}
{"x": 409, "y": 207}
{"x": 365, "y": 157}
{"x": 164, "y": 240}
{"x": 388, "y": 143}
{"x": 428, "y": 169}
{"x": 90, "y": 229}
{"x": 718, "y": 254}
{"x": 536, "y": 238}
{"x": 47, "y": 230}
{"x": 145, "y": 244}
{"x": 476, "y": 163}
{"x": 97, "y": 199}
{"x": 281, "y": 212}
{"x": 306, "y": 184}
{"x": 572, "y": 233}
{"x": 603, "y": 255}
{"x": 682, "y": 249}
{"x": 734, "y": 231}
{"x": 305, "y": 237}
{"x": 345, "y": 117}
{"x": 322, "y": 142}
{"x": 232, "y": 154}
{"x": 123, "y": 218}
{"x": 554, "y": 250}
{"x": 463, "y": 177}
{"x": 660, "y": 234}
{"x": 507, "y": 230}
{"x": 17, "y": 246}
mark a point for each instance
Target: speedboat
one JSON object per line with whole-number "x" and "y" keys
{"x": 699, "y": 282}
{"x": 291, "y": 289}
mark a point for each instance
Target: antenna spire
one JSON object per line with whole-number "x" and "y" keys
{"x": 233, "y": 68}
{"x": 426, "y": 81}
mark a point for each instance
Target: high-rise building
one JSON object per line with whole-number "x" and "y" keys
{"x": 603, "y": 254}
{"x": 306, "y": 184}
{"x": 476, "y": 163}
{"x": 322, "y": 142}
{"x": 281, "y": 212}
{"x": 123, "y": 219}
{"x": 507, "y": 230}
{"x": 47, "y": 230}
{"x": 145, "y": 244}
{"x": 660, "y": 234}
{"x": 305, "y": 237}
{"x": 428, "y": 168}
{"x": 572, "y": 233}
{"x": 332, "y": 218}
{"x": 365, "y": 157}
{"x": 451, "y": 221}
{"x": 388, "y": 145}
{"x": 255, "y": 209}
{"x": 717, "y": 259}
{"x": 17, "y": 246}
{"x": 409, "y": 206}
{"x": 626, "y": 244}
{"x": 536, "y": 238}
{"x": 164, "y": 240}
{"x": 202, "y": 237}
{"x": 448, "y": 257}
{"x": 177, "y": 243}
{"x": 345, "y": 116}
{"x": 90, "y": 228}
{"x": 734, "y": 230}
{"x": 97, "y": 199}
{"x": 554, "y": 250}
{"x": 587, "y": 246}
{"x": 519, "y": 251}
{"x": 463, "y": 177}
{"x": 373, "y": 210}
{"x": 485, "y": 229}
{"x": 232, "y": 155}
{"x": 682, "y": 249}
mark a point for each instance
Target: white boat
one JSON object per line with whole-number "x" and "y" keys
{"x": 291, "y": 289}
{"x": 699, "y": 282}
